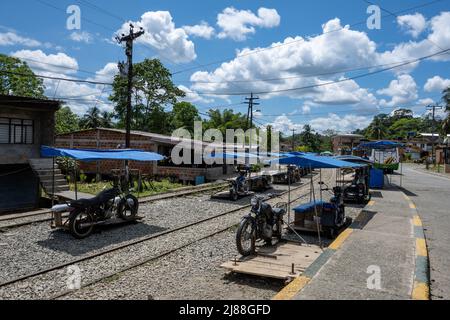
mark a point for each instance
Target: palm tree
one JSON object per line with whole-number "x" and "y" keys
{"x": 377, "y": 130}
{"x": 106, "y": 119}
{"x": 446, "y": 99}
{"x": 92, "y": 119}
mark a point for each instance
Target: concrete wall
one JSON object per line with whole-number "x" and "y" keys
{"x": 44, "y": 124}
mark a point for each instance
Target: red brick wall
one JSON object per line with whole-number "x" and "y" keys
{"x": 104, "y": 139}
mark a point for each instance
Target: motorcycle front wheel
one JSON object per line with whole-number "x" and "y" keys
{"x": 246, "y": 238}
{"x": 127, "y": 208}
{"x": 81, "y": 224}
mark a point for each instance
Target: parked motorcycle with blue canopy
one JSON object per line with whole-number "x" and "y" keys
{"x": 111, "y": 206}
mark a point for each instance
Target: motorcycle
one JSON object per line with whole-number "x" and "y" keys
{"x": 262, "y": 223}
{"x": 237, "y": 190}
{"x": 85, "y": 214}
{"x": 358, "y": 190}
{"x": 332, "y": 217}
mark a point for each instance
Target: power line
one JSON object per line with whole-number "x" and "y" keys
{"x": 261, "y": 92}
{"x": 330, "y": 82}
{"x": 309, "y": 75}
{"x": 300, "y": 40}
{"x": 55, "y": 78}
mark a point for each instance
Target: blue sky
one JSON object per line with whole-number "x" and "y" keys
{"x": 187, "y": 35}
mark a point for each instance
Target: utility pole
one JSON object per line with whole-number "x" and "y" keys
{"x": 433, "y": 150}
{"x": 293, "y": 140}
{"x": 251, "y": 104}
{"x": 129, "y": 39}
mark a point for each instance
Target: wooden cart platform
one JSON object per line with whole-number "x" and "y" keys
{"x": 276, "y": 261}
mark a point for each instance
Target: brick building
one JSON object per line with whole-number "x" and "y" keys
{"x": 103, "y": 138}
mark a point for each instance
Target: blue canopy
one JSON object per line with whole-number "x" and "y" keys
{"x": 379, "y": 145}
{"x": 350, "y": 158}
{"x": 316, "y": 162}
{"x": 96, "y": 155}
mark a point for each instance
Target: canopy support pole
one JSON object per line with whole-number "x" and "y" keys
{"x": 53, "y": 182}
{"x": 75, "y": 180}
{"x": 289, "y": 199}
{"x": 315, "y": 209}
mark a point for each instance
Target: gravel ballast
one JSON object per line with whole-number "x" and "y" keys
{"x": 158, "y": 215}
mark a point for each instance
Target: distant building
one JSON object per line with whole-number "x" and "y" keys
{"x": 25, "y": 125}
{"x": 344, "y": 143}
{"x": 104, "y": 138}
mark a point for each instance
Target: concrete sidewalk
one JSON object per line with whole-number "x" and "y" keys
{"x": 382, "y": 242}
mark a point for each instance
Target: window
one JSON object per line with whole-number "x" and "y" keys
{"x": 16, "y": 131}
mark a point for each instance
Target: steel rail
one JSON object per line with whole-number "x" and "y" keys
{"x": 138, "y": 241}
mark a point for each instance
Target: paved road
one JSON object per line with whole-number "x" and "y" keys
{"x": 431, "y": 194}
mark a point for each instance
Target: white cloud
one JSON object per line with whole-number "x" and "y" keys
{"x": 238, "y": 24}
{"x": 12, "y": 38}
{"x": 346, "y": 124}
{"x": 425, "y": 102}
{"x": 58, "y": 64}
{"x": 202, "y": 30}
{"x": 162, "y": 35}
{"x": 294, "y": 61}
{"x": 78, "y": 96}
{"x": 83, "y": 36}
{"x": 436, "y": 84}
{"x": 107, "y": 73}
{"x": 192, "y": 96}
{"x": 406, "y": 51}
{"x": 402, "y": 90}
{"x": 285, "y": 125}
{"x": 413, "y": 24}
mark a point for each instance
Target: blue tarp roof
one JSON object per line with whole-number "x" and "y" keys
{"x": 96, "y": 155}
{"x": 379, "y": 145}
{"x": 350, "y": 158}
{"x": 316, "y": 162}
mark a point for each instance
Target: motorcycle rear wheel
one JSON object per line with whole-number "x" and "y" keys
{"x": 246, "y": 238}
{"x": 76, "y": 220}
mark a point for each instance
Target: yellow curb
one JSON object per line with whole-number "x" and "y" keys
{"x": 417, "y": 221}
{"x": 421, "y": 247}
{"x": 288, "y": 292}
{"x": 421, "y": 291}
{"x": 371, "y": 203}
{"x": 340, "y": 240}
{"x": 412, "y": 205}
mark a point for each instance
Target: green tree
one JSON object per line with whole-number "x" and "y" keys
{"x": 310, "y": 139}
{"x": 16, "y": 78}
{"x": 400, "y": 128}
{"x": 377, "y": 130}
{"x": 184, "y": 114}
{"x": 225, "y": 120}
{"x": 92, "y": 119}
{"x": 152, "y": 91}
{"x": 66, "y": 121}
{"x": 446, "y": 100}
{"x": 107, "y": 119}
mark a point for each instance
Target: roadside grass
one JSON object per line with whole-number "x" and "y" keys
{"x": 156, "y": 187}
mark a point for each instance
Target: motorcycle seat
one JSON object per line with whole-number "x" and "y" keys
{"x": 279, "y": 211}
{"x": 84, "y": 203}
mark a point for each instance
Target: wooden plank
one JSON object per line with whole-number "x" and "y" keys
{"x": 276, "y": 261}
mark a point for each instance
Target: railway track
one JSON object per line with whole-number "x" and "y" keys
{"x": 158, "y": 197}
{"x": 139, "y": 241}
